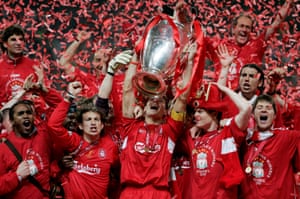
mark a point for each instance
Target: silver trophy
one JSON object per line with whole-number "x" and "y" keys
{"x": 159, "y": 58}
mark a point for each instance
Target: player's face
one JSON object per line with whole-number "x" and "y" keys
{"x": 242, "y": 30}
{"x": 91, "y": 124}
{"x": 202, "y": 119}
{"x": 100, "y": 59}
{"x": 70, "y": 122}
{"x": 15, "y": 45}
{"x": 23, "y": 119}
{"x": 264, "y": 115}
{"x": 155, "y": 107}
{"x": 249, "y": 82}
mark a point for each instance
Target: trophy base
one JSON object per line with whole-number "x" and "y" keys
{"x": 149, "y": 84}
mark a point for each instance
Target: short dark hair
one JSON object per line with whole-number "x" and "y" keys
{"x": 260, "y": 71}
{"x": 9, "y": 31}
{"x": 27, "y": 103}
{"x": 266, "y": 98}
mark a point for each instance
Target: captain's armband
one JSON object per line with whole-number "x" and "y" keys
{"x": 178, "y": 116}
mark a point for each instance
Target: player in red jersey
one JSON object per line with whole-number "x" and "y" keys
{"x": 252, "y": 83}
{"x": 92, "y": 78}
{"x": 246, "y": 49}
{"x": 148, "y": 143}
{"x": 271, "y": 156}
{"x": 34, "y": 145}
{"x": 213, "y": 150}
{"x": 94, "y": 152}
{"x": 14, "y": 67}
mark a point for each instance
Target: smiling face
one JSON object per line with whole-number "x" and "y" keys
{"x": 242, "y": 30}
{"x": 91, "y": 125}
{"x": 23, "y": 120}
{"x": 15, "y": 45}
{"x": 264, "y": 115}
{"x": 205, "y": 120}
{"x": 202, "y": 119}
{"x": 155, "y": 108}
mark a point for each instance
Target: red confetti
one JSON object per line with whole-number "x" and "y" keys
{"x": 116, "y": 24}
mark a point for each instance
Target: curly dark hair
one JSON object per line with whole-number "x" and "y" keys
{"x": 86, "y": 105}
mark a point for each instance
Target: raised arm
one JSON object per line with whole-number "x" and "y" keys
{"x": 128, "y": 98}
{"x": 56, "y": 121}
{"x": 57, "y": 118}
{"x": 29, "y": 84}
{"x": 51, "y": 96}
{"x": 273, "y": 79}
{"x": 181, "y": 101}
{"x": 184, "y": 15}
{"x": 282, "y": 13}
{"x": 14, "y": 100}
{"x": 66, "y": 58}
{"x": 106, "y": 86}
{"x": 226, "y": 60}
{"x": 245, "y": 108}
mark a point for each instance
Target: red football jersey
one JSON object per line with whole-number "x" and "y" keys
{"x": 269, "y": 166}
{"x": 90, "y": 174}
{"x": 146, "y": 157}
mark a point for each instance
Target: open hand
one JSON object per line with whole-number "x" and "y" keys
{"x": 225, "y": 57}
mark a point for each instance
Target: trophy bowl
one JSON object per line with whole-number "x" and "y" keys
{"x": 159, "y": 58}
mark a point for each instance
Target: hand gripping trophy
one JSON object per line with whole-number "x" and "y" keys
{"x": 160, "y": 50}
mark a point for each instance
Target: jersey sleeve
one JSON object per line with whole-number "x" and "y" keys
{"x": 8, "y": 179}
{"x": 60, "y": 135}
{"x": 127, "y": 124}
{"x": 173, "y": 128}
{"x": 52, "y": 97}
{"x": 237, "y": 133}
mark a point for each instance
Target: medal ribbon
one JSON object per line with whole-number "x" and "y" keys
{"x": 260, "y": 139}
{"x": 198, "y": 62}
{"x": 79, "y": 153}
{"x": 254, "y": 152}
{"x": 156, "y": 135}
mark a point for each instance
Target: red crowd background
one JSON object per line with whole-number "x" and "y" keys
{"x": 51, "y": 25}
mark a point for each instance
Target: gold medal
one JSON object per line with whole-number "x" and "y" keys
{"x": 194, "y": 151}
{"x": 248, "y": 169}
